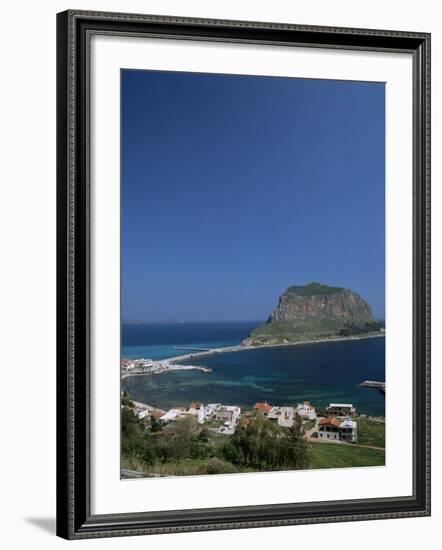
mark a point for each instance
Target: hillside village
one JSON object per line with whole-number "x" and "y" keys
{"x": 337, "y": 425}
{"x": 223, "y": 438}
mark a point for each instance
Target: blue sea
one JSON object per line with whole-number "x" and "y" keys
{"x": 321, "y": 373}
{"x": 158, "y": 341}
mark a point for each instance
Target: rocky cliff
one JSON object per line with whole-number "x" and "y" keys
{"x": 315, "y": 311}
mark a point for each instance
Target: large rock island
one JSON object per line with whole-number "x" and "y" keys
{"x": 315, "y": 311}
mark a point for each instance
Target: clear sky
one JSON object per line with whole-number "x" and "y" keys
{"x": 236, "y": 187}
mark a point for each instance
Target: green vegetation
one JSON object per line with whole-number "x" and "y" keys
{"x": 308, "y": 425}
{"x": 370, "y": 432}
{"x": 309, "y": 329}
{"x": 264, "y": 445}
{"x": 186, "y": 467}
{"x": 350, "y": 329}
{"x": 315, "y": 312}
{"x": 335, "y": 455}
{"x": 314, "y": 289}
{"x": 185, "y": 448}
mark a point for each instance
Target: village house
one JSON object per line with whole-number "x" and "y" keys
{"x": 338, "y": 430}
{"x": 341, "y": 409}
{"x": 349, "y": 430}
{"x": 143, "y": 363}
{"x": 141, "y": 413}
{"x": 263, "y": 408}
{"x": 328, "y": 428}
{"x": 210, "y": 409}
{"x": 172, "y": 414}
{"x": 127, "y": 364}
{"x": 197, "y": 410}
{"x": 228, "y": 413}
{"x": 306, "y": 410}
{"x": 284, "y": 416}
{"x": 141, "y": 410}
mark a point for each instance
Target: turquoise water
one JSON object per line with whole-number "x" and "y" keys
{"x": 158, "y": 341}
{"x": 322, "y": 373}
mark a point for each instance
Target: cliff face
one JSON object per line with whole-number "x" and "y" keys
{"x": 333, "y": 302}
{"x": 315, "y": 311}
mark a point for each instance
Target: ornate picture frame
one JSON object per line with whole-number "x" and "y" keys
{"x": 75, "y": 519}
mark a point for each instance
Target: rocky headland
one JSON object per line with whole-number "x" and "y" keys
{"x": 315, "y": 311}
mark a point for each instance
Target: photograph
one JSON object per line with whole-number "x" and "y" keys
{"x": 225, "y": 213}
{"x": 253, "y": 299}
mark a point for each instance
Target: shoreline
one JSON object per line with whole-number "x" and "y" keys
{"x": 247, "y": 347}
{"x": 164, "y": 367}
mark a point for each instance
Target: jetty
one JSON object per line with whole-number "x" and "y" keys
{"x": 374, "y": 384}
{"x": 187, "y": 348}
{"x": 162, "y": 367}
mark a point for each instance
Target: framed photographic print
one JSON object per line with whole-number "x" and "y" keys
{"x": 243, "y": 274}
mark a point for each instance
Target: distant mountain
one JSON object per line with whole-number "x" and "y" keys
{"x": 315, "y": 311}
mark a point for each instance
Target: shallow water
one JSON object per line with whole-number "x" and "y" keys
{"x": 322, "y": 373}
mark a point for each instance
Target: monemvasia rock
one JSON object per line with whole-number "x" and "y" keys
{"x": 315, "y": 311}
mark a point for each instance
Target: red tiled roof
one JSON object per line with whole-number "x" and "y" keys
{"x": 263, "y": 407}
{"x": 330, "y": 422}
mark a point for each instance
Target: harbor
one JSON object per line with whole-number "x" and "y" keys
{"x": 145, "y": 367}
{"x": 374, "y": 384}
{"x": 260, "y": 373}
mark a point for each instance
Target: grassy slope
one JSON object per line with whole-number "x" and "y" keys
{"x": 371, "y": 433}
{"x": 330, "y": 455}
{"x": 294, "y": 331}
{"x": 321, "y": 455}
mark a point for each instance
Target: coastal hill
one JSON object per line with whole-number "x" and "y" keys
{"x": 315, "y": 311}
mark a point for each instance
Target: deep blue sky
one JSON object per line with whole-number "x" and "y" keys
{"x": 236, "y": 187}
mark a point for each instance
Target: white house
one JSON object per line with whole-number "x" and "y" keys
{"x": 197, "y": 410}
{"x": 306, "y": 410}
{"x": 142, "y": 413}
{"x": 349, "y": 430}
{"x": 228, "y": 428}
{"x": 210, "y": 409}
{"x": 172, "y": 414}
{"x": 284, "y": 416}
{"x": 228, "y": 413}
{"x": 143, "y": 363}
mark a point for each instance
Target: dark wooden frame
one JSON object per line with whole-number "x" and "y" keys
{"x": 74, "y": 519}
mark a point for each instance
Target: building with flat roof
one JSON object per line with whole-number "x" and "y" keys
{"x": 284, "y": 416}
{"x": 197, "y": 410}
{"x": 341, "y": 409}
{"x": 306, "y": 410}
{"x": 228, "y": 413}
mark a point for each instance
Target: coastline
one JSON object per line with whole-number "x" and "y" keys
{"x": 238, "y": 382}
{"x": 165, "y": 366}
{"x": 242, "y": 347}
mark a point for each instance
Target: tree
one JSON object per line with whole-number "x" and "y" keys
{"x": 204, "y": 435}
{"x": 155, "y": 425}
{"x": 264, "y": 445}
